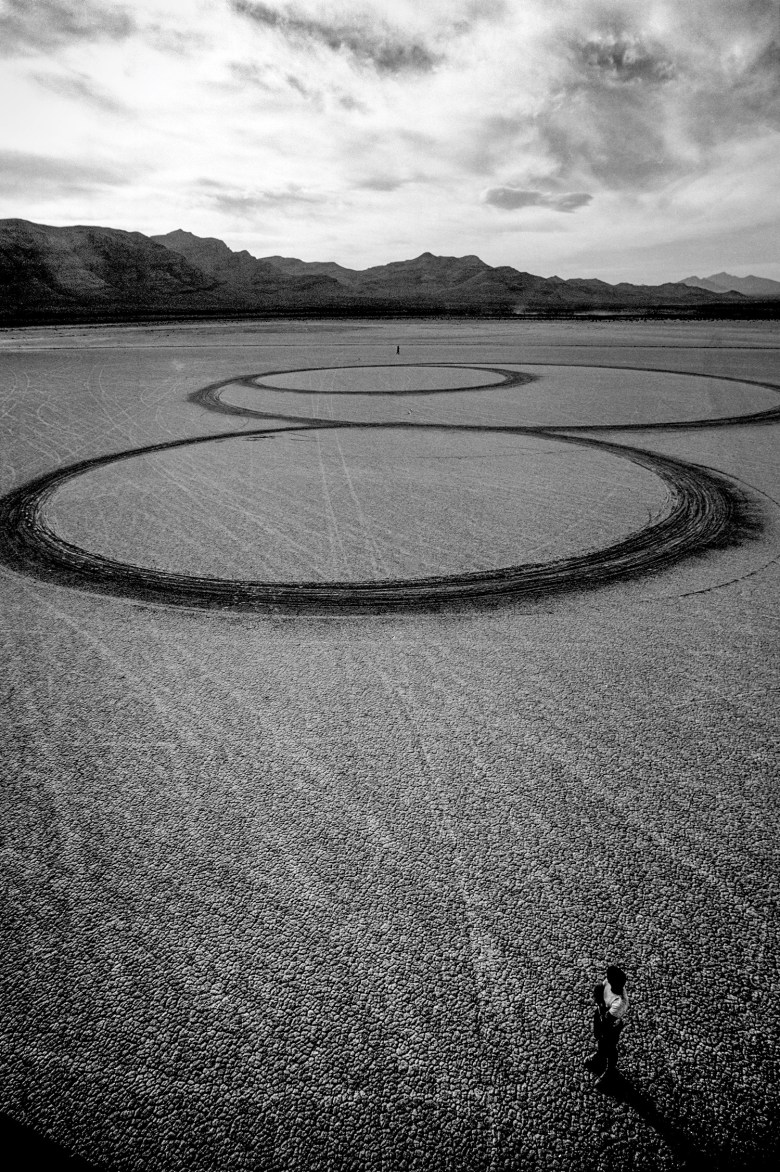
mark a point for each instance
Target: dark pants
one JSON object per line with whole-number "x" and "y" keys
{"x": 607, "y": 1049}
{"x": 606, "y": 1036}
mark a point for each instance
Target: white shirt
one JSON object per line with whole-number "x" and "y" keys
{"x": 616, "y": 1003}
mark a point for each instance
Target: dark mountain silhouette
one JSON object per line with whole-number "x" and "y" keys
{"x": 246, "y": 278}
{"x": 43, "y": 268}
{"x": 94, "y": 273}
{"x": 726, "y": 282}
{"x": 428, "y": 281}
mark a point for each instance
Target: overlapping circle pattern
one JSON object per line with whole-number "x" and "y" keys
{"x": 704, "y": 510}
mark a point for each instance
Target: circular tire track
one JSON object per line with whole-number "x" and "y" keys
{"x": 768, "y": 415}
{"x": 509, "y": 378}
{"x": 705, "y": 511}
{"x": 210, "y": 396}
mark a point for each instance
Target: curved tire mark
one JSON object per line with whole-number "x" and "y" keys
{"x": 769, "y": 415}
{"x": 509, "y": 378}
{"x": 210, "y": 397}
{"x": 705, "y": 510}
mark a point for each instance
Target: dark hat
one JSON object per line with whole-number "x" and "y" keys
{"x": 616, "y": 976}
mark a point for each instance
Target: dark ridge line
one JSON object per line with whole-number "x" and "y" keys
{"x": 209, "y": 398}
{"x": 706, "y": 512}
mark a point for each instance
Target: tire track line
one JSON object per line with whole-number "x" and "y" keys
{"x": 704, "y": 510}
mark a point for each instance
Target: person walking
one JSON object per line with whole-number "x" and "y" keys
{"x": 398, "y": 349}
{"x": 609, "y": 1015}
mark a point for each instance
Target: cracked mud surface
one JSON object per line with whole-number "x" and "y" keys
{"x": 293, "y": 892}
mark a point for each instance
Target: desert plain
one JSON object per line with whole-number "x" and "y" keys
{"x": 327, "y": 886}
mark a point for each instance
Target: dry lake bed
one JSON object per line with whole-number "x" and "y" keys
{"x": 359, "y": 707}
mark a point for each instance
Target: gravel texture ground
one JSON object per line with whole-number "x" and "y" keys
{"x": 292, "y": 892}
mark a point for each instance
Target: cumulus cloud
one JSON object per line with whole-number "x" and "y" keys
{"x": 34, "y": 26}
{"x": 512, "y": 198}
{"x": 367, "y": 40}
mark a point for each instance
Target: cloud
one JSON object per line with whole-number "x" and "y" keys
{"x": 243, "y": 202}
{"x": 512, "y": 198}
{"x": 80, "y": 88}
{"x": 30, "y": 176}
{"x": 179, "y": 42}
{"x": 36, "y": 26}
{"x": 360, "y": 128}
{"x": 367, "y": 40}
{"x": 644, "y": 94}
{"x": 603, "y": 141}
{"x": 485, "y": 10}
{"x": 381, "y": 183}
{"x": 624, "y": 58}
{"x": 348, "y": 102}
{"x": 296, "y": 84}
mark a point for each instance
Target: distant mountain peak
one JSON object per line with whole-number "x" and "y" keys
{"x": 55, "y": 273}
{"x": 750, "y": 286}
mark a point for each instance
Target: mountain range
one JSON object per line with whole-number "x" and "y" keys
{"x": 94, "y": 273}
{"x": 727, "y": 283}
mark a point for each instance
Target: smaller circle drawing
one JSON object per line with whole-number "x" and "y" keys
{"x": 591, "y": 393}
{"x": 402, "y": 379}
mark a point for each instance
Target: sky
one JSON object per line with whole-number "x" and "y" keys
{"x": 633, "y": 140}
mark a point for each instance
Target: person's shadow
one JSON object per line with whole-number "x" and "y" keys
{"x": 694, "y": 1158}
{"x": 25, "y": 1149}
